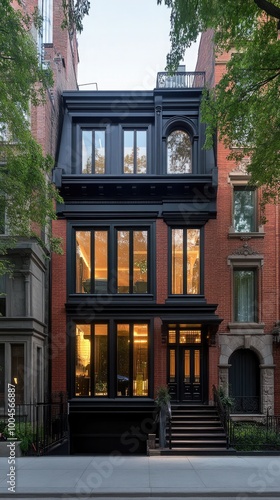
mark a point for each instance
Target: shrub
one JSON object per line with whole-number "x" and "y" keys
{"x": 24, "y": 433}
{"x": 251, "y": 436}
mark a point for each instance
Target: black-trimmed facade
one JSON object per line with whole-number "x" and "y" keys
{"x": 121, "y": 342}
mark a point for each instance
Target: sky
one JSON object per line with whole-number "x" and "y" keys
{"x": 124, "y": 45}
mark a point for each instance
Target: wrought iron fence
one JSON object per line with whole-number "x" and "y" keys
{"x": 251, "y": 435}
{"x": 181, "y": 79}
{"x": 40, "y": 426}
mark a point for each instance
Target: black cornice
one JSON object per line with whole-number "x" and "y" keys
{"x": 191, "y": 312}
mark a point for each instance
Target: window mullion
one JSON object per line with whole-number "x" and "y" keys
{"x": 93, "y": 153}
{"x": 135, "y": 152}
{"x": 92, "y": 263}
{"x": 185, "y": 257}
{"x": 131, "y": 261}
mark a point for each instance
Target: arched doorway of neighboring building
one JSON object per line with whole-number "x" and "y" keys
{"x": 244, "y": 381}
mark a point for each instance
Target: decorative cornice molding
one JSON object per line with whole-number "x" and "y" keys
{"x": 245, "y": 250}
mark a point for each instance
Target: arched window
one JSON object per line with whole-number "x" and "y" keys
{"x": 179, "y": 153}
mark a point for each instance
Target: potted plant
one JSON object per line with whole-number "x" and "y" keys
{"x": 164, "y": 409}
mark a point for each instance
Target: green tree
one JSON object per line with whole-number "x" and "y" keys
{"x": 26, "y": 195}
{"x": 244, "y": 104}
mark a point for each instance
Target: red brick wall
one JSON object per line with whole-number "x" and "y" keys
{"x": 159, "y": 356}
{"x": 218, "y": 246}
{"x": 58, "y": 299}
{"x": 206, "y": 57}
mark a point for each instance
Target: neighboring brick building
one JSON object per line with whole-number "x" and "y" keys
{"x": 242, "y": 276}
{"x": 24, "y": 309}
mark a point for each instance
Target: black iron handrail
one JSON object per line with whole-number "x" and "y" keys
{"x": 169, "y": 413}
{"x": 181, "y": 80}
{"x": 223, "y": 412}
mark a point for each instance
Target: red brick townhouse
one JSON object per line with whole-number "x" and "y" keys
{"x": 242, "y": 277}
{"x": 132, "y": 295}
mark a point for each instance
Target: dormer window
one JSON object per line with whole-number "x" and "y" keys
{"x": 135, "y": 151}
{"x": 179, "y": 153}
{"x": 93, "y": 151}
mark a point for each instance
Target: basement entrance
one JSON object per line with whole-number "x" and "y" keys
{"x": 185, "y": 363}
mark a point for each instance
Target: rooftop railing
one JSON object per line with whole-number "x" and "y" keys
{"x": 181, "y": 80}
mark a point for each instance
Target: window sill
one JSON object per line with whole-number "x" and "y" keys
{"x": 246, "y": 328}
{"x": 255, "y": 234}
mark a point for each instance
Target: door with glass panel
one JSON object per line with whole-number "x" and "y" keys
{"x": 184, "y": 364}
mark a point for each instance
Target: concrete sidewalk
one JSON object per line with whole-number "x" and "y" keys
{"x": 239, "y": 476}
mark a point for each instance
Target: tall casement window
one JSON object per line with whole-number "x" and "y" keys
{"x": 93, "y": 151}
{"x": 179, "y": 153}
{"x": 112, "y": 260}
{"x": 132, "y": 261}
{"x": 244, "y": 209}
{"x": 118, "y": 372}
{"x": 185, "y": 261}
{"x": 135, "y": 151}
{"x": 245, "y": 296}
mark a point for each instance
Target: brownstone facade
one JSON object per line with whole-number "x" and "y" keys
{"x": 229, "y": 250}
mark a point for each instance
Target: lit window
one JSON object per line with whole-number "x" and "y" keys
{"x": 244, "y": 209}
{"x": 128, "y": 271}
{"x": 135, "y": 152}
{"x": 245, "y": 297}
{"x": 132, "y": 261}
{"x": 185, "y": 257}
{"x": 91, "y": 373}
{"x": 179, "y": 153}
{"x": 128, "y": 360}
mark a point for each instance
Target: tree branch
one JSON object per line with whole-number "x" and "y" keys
{"x": 269, "y": 8}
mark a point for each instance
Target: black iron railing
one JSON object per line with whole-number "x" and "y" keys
{"x": 39, "y": 425}
{"x": 249, "y": 435}
{"x": 181, "y": 80}
{"x": 246, "y": 404}
{"x": 224, "y": 415}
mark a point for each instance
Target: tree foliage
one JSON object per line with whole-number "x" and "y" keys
{"x": 74, "y": 12}
{"x": 25, "y": 193}
{"x": 244, "y": 105}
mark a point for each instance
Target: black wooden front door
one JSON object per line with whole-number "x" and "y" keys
{"x": 184, "y": 377}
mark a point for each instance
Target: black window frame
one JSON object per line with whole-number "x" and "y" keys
{"x": 113, "y": 227}
{"x": 112, "y": 385}
{"x": 201, "y": 262}
{"x": 136, "y": 128}
{"x": 93, "y": 130}
{"x": 183, "y": 129}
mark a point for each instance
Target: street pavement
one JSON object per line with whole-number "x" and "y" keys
{"x": 160, "y": 477}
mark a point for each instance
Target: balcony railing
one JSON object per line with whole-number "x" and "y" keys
{"x": 181, "y": 80}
